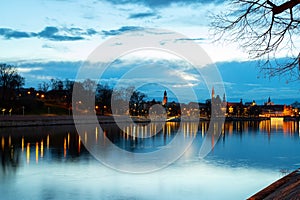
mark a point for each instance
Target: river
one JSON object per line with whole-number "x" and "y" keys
{"x": 52, "y": 162}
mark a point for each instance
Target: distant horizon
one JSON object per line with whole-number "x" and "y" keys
{"x": 241, "y": 80}
{"x": 261, "y": 101}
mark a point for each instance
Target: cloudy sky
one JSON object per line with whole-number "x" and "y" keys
{"x": 51, "y": 39}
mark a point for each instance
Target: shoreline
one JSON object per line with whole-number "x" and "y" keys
{"x": 52, "y": 120}
{"x": 45, "y": 120}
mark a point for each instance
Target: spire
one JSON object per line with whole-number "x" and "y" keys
{"x": 224, "y": 98}
{"x": 213, "y": 92}
{"x": 165, "y": 99}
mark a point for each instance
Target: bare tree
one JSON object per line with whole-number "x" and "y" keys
{"x": 265, "y": 29}
{"x": 10, "y": 80}
{"x": 44, "y": 86}
{"x": 57, "y": 84}
{"x": 136, "y": 103}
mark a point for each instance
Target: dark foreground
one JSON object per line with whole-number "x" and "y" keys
{"x": 287, "y": 187}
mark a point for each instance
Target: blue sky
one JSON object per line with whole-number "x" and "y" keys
{"x": 48, "y": 39}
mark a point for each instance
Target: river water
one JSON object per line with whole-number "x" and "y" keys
{"x": 51, "y": 162}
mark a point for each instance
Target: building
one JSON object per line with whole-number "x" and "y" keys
{"x": 216, "y": 104}
{"x": 276, "y": 111}
{"x": 269, "y": 102}
{"x": 269, "y": 109}
{"x": 165, "y": 99}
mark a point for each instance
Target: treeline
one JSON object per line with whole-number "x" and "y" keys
{"x": 91, "y": 96}
{"x": 10, "y": 82}
{"x": 55, "y": 96}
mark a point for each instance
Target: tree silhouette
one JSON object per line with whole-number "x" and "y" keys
{"x": 57, "y": 84}
{"x": 103, "y": 97}
{"x": 265, "y": 29}
{"x": 44, "y": 86}
{"x": 10, "y": 80}
{"x": 136, "y": 103}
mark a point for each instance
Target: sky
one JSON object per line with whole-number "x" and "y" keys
{"x": 53, "y": 38}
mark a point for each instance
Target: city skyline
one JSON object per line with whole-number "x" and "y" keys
{"x": 236, "y": 87}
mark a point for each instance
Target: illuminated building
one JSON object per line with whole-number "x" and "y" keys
{"x": 165, "y": 99}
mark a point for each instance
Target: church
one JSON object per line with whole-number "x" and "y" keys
{"x": 165, "y": 99}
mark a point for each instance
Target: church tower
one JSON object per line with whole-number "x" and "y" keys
{"x": 224, "y": 98}
{"x": 165, "y": 99}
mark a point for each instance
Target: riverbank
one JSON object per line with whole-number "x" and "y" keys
{"x": 46, "y": 120}
{"x": 247, "y": 118}
{"x": 51, "y": 120}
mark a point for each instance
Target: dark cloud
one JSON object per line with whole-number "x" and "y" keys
{"x": 142, "y": 15}
{"x": 58, "y": 69}
{"x": 52, "y": 33}
{"x": 12, "y": 34}
{"x": 65, "y": 38}
{"x": 74, "y": 30}
{"x": 49, "y": 33}
{"x": 91, "y": 31}
{"x": 80, "y": 31}
{"x": 121, "y": 30}
{"x": 163, "y": 3}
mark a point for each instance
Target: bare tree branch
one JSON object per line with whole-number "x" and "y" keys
{"x": 264, "y": 29}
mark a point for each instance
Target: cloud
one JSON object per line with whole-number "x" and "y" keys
{"x": 27, "y": 70}
{"x": 187, "y": 76}
{"x": 185, "y": 85}
{"x": 164, "y": 3}
{"x": 80, "y": 31}
{"x": 57, "y": 47}
{"x": 190, "y": 39}
{"x": 252, "y": 84}
{"x": 142, "y": 15}
{"x": 52, "y": 33}
{"x": 47, "y": 46}
{"x": 121, "y": 30}
{"x": 41, "y": 77}
{"x": 91, "y": 31}
{"x": 13, "y": 34}
{"x": 49, "y": 33}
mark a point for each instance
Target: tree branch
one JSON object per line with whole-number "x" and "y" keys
{"x": 285, "y": 6}
{"x": 263, "y": 29}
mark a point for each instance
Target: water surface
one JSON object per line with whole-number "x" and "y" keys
{"x": 52, "y": 163}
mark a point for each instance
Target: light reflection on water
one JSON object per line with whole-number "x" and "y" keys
{"x": 52, "y": 163}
